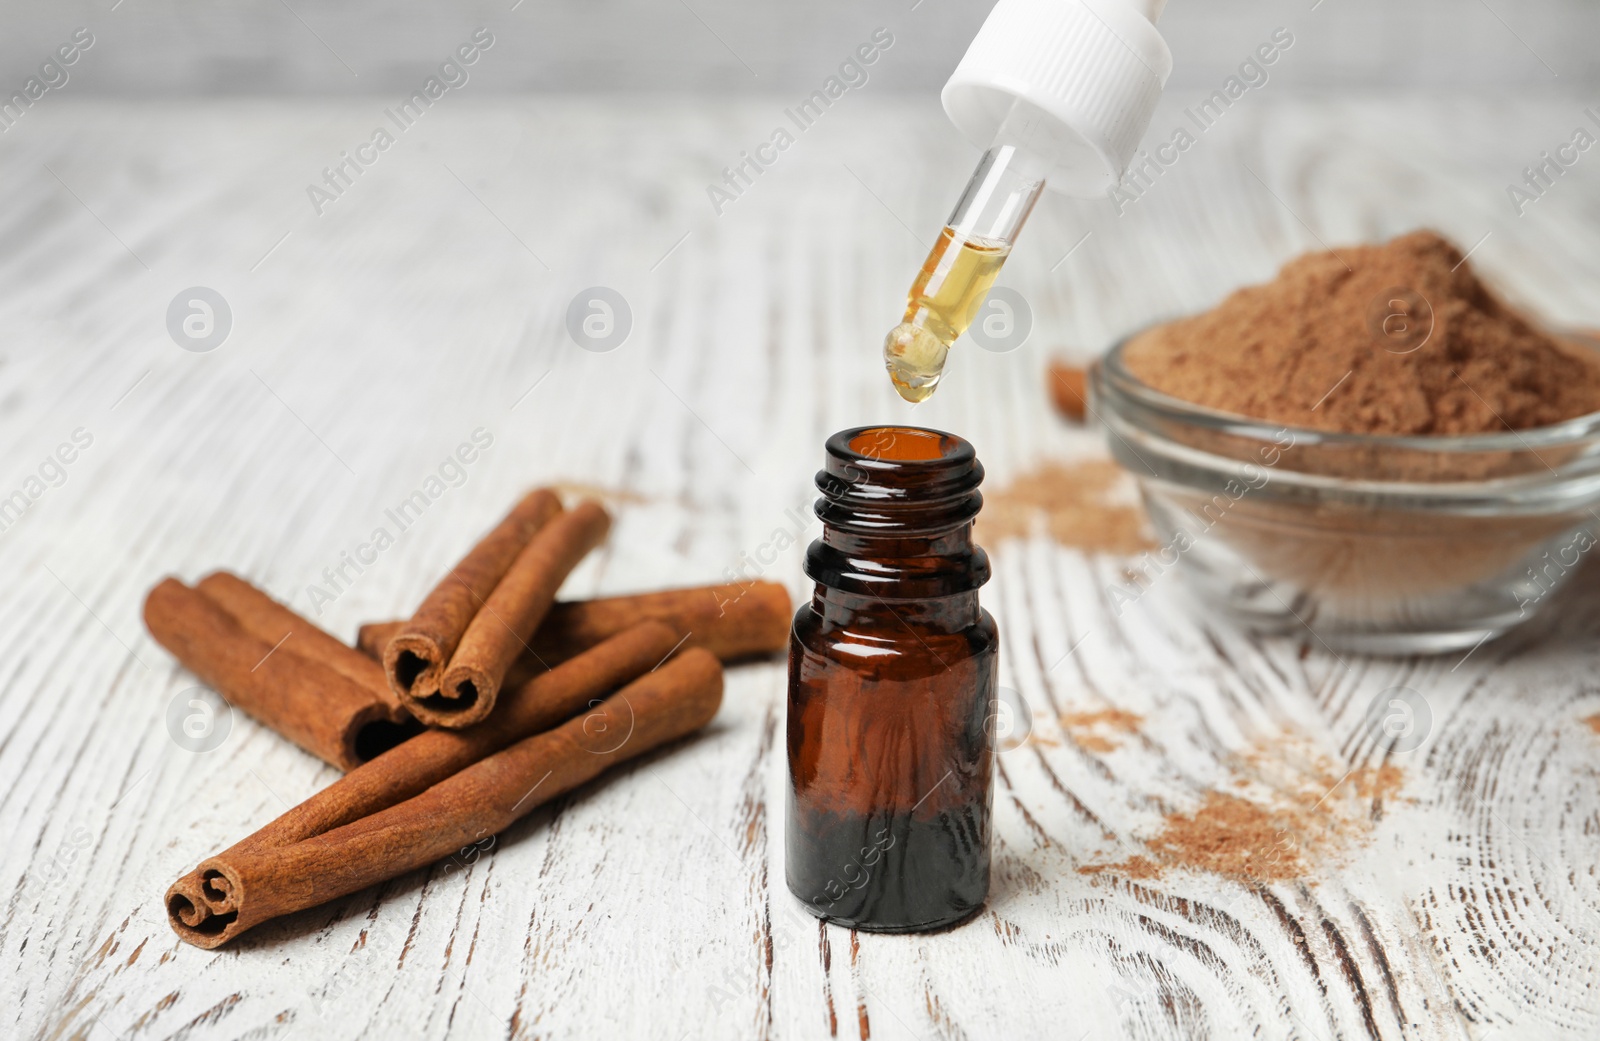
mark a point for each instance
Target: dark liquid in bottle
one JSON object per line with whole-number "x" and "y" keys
{"x": 893, "y": 871}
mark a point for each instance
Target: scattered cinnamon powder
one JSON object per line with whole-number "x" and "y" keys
{"x": 1400, "y": 338}
{"x": 1301, "y": 814}
{"x": 1378, "y": 782}
{"x": 1234, "y": 837}
{"x": 1133, "y": 867}
{"x": 1089, "y": 729}
{"x": 1089, "y": 505}
{"x": 1594, "y": 723}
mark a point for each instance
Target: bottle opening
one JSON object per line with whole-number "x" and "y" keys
{"x": 903, "y": 444}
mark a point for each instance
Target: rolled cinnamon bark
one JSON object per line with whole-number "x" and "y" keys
{"x": 416, "y": 656}
{"x": 257, "y": 885}
{"x": 732, "y": 621}
{"x": 266, "y": 619}
{"x": 299, "y": 695}
{"x": 1069, "y": 390}
{"x": 411, "y": 768}
{"x": 499, "y": 632}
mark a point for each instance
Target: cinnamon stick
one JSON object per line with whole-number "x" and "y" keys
{"x": 253, "y": 886}
{"x": 499, "y": 632}
{"x": 299, "y": 694}
{"x": 411, "y": 768}
{"x": 266, "y": 619}
{"x": 733, "y": 620}
{"x": 1069, "y": 390}
{"x": 415, "y": 658}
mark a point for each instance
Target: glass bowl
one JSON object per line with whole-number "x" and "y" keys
{"x": 1389, "y": 545}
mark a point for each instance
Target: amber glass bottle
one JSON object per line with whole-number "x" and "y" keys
{"x": 891, "y": 680}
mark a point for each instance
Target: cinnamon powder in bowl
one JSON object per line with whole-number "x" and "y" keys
{"x": 1373, "y": 444}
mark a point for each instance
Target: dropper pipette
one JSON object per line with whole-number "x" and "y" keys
{"x": 1058, "y": 91}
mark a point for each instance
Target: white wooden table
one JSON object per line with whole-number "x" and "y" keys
{"x": 429, "y": 301}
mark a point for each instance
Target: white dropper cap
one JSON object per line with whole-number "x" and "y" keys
{"x": 1072, "y": 81}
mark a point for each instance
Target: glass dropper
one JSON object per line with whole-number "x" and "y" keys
{"x": 973, "y": 245}
{"x": 1062, "y": 89}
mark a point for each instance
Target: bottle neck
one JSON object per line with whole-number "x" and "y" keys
{"x": 941, "y": 614}
{"x": 955, "y": 543}
{"x": 897, "y": 509}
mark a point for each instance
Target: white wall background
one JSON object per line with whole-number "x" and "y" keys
{"x": 182, "y": 47}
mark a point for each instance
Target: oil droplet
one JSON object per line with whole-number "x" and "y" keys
{"x": 915, "y": 359}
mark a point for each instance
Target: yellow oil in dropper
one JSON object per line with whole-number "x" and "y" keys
{"x": 955, "y": 278}
{"x": 942, "y": 304}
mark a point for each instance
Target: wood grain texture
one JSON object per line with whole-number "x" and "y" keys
{"x": 429, "y": 301}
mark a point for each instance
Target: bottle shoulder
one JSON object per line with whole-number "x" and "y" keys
{"x": 883, "y": 638}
